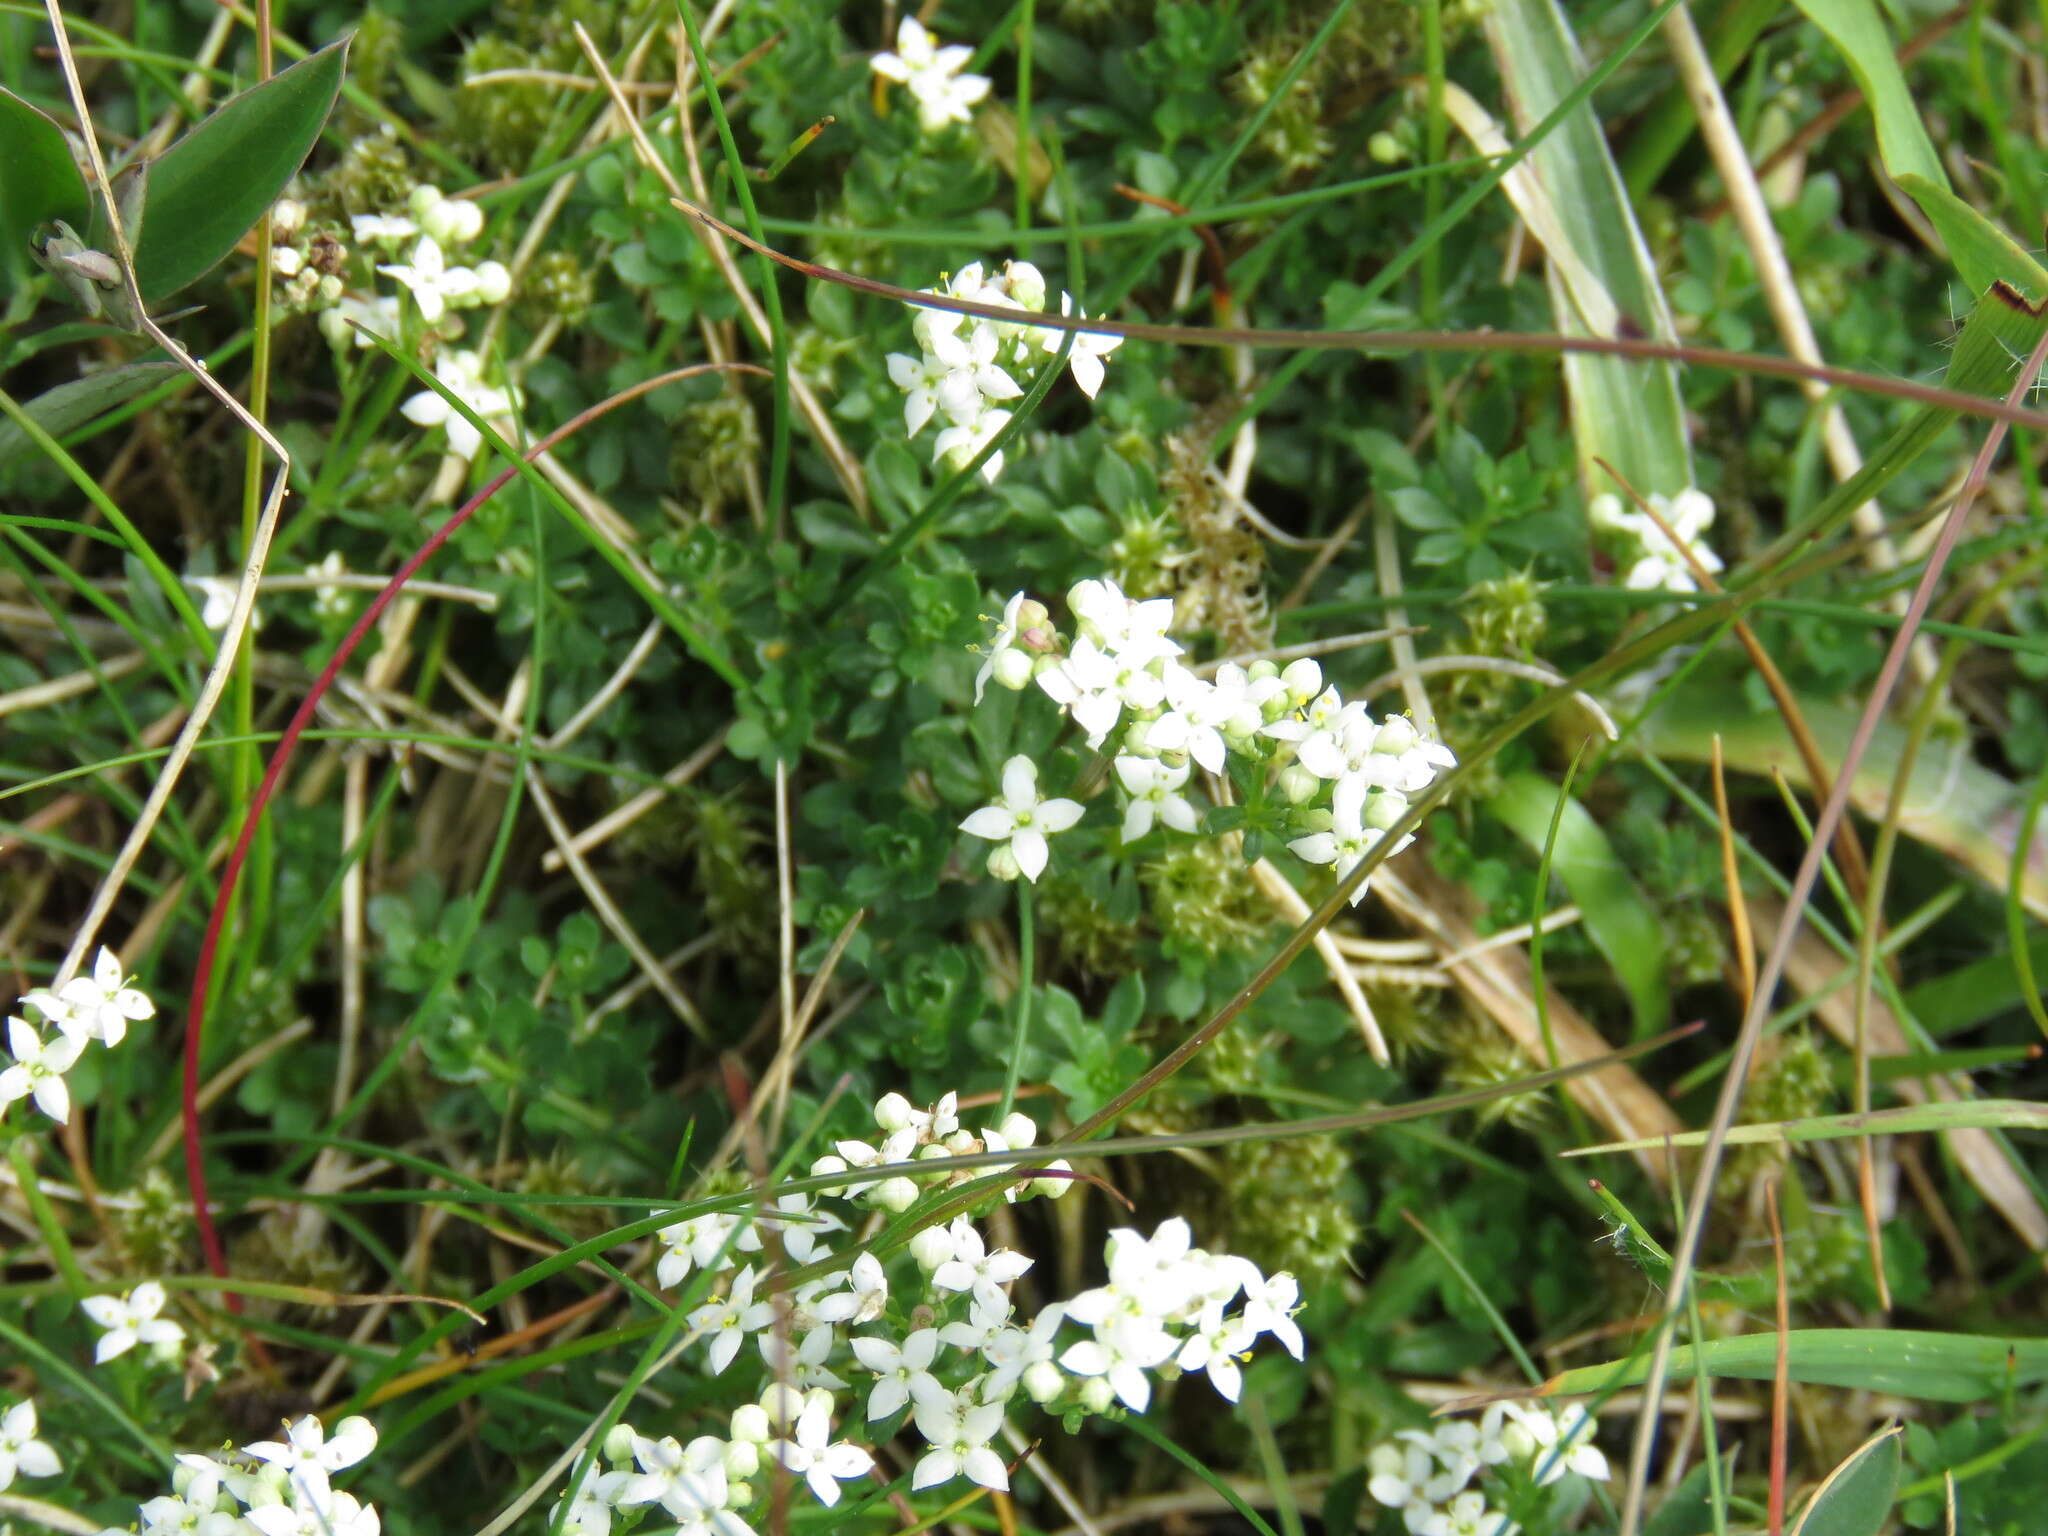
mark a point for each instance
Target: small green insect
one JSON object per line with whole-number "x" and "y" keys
{"x": 93, "y": 277}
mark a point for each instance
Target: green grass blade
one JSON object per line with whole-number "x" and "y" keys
{"x": 1937, "y": 1367}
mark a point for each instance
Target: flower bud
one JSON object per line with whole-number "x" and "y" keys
{"x": 1304, "y": 680}
{"x": 328, "y": 291}
{"x": 1025, "y": 283}
{"x": 1013, "y": 668}
{"x": 1385, "y": 148}
{"x": 782, "y": 1403}
{"x": 1097, "y": 1394}
{"x": 1397, "y": 734}
{"x": 829, "y": 1163}
{"x": 286, "y": 260}
{"x": 1002, "y": 863}
{"x": 1018, "y": 1129}
{"x": 893, "y": 1112}
{"x": 618, "y": 1444}
{"x": 1054, "y": 1188}
{"x": 897, "y": 1195}
{"x": 1383, "y": 809}
{"x": 738, "y": 1496}
{"x": 1298, "y": 784}
{"x": 742, "y": 1459}
{"x": 932, "y": 1247}
{"x": 493, "y": 281}
{"x": 1043, "y": 1381}
{"x": 287, "y": 215}
{"x": 423, "y": 200}
{"x": 750, "y": 1425}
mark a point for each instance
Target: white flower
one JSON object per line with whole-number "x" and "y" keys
{"x": 1124, "y": 1348}
{"x": 1406, "y": 760}
{"x": 101, "y": 1005}
{"x": 1356, "y": 828}
{"x": 1555, "y": 1444}
{"x": 804, "y": 1366}
{"x": 977, "y": 1268}
{"x": 462, "y": 373}
{"x": 377, "y": 317}
{"x": 326, "y": 1513}
{"x": 699, "y": 1242}
{"x": 39, "y": 1068}
{"x": 1135, "y": 631}
{"x": 988, "y": 1313}
{"x": 1216, "y": 1346}
{"x": 1020, "y": 820}
{"x": 905, "y": 1372}
{"x": 801, "y": 1227}
{"x": 1467, "y": 1515}
{"x": 330, "y": 598}
{"x": 131, "y": 1320}
{"x": 435, "y": 285}
{"x": 590, "y": 1512}
{"x": 1096, "y": 686}
{"x": 1008, "y": 661}
{"x": 1084, "y": 362}
{"x": 683, "y": 1481}
{"x": 919, "y": 378}
{"x": 958, "y": 444}
{"x": 813, "y": 1456}
{"x": 217, "y": 595}
{"x": 20, "y": 1450}
{"x": 1405, "y": 1477}
{"x": 1011, "y": 1352}
{"x": 933, "y": 76}
{"x": 1154, "y": 789}
{"x": 959, "y": 1433}
{"x": 731, "y": 1319}
{"x": 386, "y": 229}
{"x": 1269, "y": 1307}
{"x": 307, "y": 1448}
{"x": 866, "y": 1293}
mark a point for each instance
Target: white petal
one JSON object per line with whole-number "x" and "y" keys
{"x": 991, "y": 821}
{"x": 1020, "y": 783}
{"x": 1029, "y": 847}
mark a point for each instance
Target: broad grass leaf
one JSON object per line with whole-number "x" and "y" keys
{"x": 71, "y": 405}
{"x": 209, "y": 188}
{"x": 1935, "y": 1367}
{"x": 1856, "y": 1498}
{"x": 1618, "y": 918}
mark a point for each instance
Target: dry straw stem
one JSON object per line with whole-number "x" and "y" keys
{"x": 258, "y": 553}
{"x": 844, "y": 465}
{"x": 1685, "y": 1251}
{"x": 1497, "y": 982}
{"x": 1281, "y": 892}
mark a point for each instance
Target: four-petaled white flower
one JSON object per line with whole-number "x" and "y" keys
{"x": 40, "y": 1065}
{"x": 597, "y": 1497}
{"x": 329, "y": 1514}
{"x": 802, "y": 1367}
{"x": 1357, "y": 825}
{"x": 308, "y": 1450}
{"x": 132, "y": 1319}
{"x": 1013, "y": 1351}
{"x": 813, "y": 1455}
{"x": 959, "y": 443}
{"x": 1154, "y": 788}
{"x": 20, "y": 1450}
{"x": 1019, "y": 821}
{"x": 1124, "y": 1348}
{"x": 976, "y": 1267}
{"x": 866, "y": 1293}
{"x": 101, "y": 1006}
{"x": 1084, "y": 362}
{"x": 434, "y": 284}
{"x": 932, "y": 75}
{"x": 462, "y": 374}
{"x": 684, "y": 1480}
{"x": 905, "y": 1371}
{"x": 959, "y": 1433}
{"x": 729, "y": 1320}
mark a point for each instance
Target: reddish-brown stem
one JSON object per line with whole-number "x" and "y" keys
{"x": 280, "y": 758}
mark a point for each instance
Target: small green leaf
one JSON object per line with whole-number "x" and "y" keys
{"x": 58, "y": 410}
{"x": 1617, "y": 916}
{"x": 39, "y": 182}
{"x": 207, "y": 189}
{"x": 1856, "y": 1498}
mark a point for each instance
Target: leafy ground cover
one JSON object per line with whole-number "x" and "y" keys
{"x": 1046, "y": 767}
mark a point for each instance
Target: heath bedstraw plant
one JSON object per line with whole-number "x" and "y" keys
{"x": 967, "y": 365}
{"x": 1343, "y": 776}
{"x": 1654, "y": 562}
{"x": 1427, "y": 1476}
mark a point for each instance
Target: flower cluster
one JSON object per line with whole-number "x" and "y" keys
{"x": 1427, "y": 1476}
{"x": 967, "y": 366}
{"x": 932, "y": 75}
{"x": 271, "y": 1488}
{"x": 85, "y": 1009}
{"x": 416, "y": 248}
{"x": 1654, "y": 562}
{"x": 851, "y": 1354}
{"x": 1341, "y": 777}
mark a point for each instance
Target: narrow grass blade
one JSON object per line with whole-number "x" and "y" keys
{"x": 1977, "y": 1114}
{"x": 1936, "y": 1367}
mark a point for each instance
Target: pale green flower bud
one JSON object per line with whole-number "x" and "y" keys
{"x": 1002, "y": 863}
{"x": 286, "y": 260}
{"x": 931, "y": 1247}
{"x": 1026, "y": 284}
{"x": 1298, "y": 784}
{"x": 1043, "y": 1382}
{"x": 1013, "y": 668}
{"x": 1052, "y": 1189}
{"x": 287, "y": 216}
{"x": 1096, "y": 1394}
{"x": 897, "y": 1195}
{"x": 738, "y": 1495}
{"x": 1383, "y": 809}
{"x": 1018, "y": 1129}
{"x": 742, "y": 1459}
{"x": 750, "y": 1425}
{"x": 618, "y": 1445}
{"x": 893, "y": 1112}
{"x": 423, "y": 200}
{"x": 493, "y": 281}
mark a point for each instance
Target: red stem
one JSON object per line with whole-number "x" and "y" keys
{"x": 202, "y": 976}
